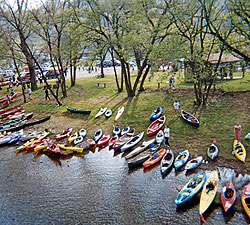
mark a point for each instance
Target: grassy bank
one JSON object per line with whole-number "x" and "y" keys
{"x": 217, "y": 119}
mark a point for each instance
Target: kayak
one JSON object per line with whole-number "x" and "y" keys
{"x": 192, "y": 187}
{"x": 194, "y": 163}
{"x": 228, "y": 196}
{"x": 71, "y": 148}
{"x": 156, "y": 126}
{"x": 72, "y": 137}
{"x": 6, "y": 112}
{"x": 116, "y": 130}
{"x": 108, "y": 113}
{"x": 181, "y": 159}
{"x": 53, "y": 147}
{"x": 78, "y": 140}
{"x": 15, "y": 121}
{"x": 213, "y": 151}
{"x": 140, "y": 149}
{"x": 143, "y": 156}
{"x": 167, "y": 161}
{"x": 64, "y": 134}
{"x": 11, "y": 138}
{"x": 125, "y": 130}
{"x": 112, "y": 141}
{"x": 208, "y": 192}
{"x": 119, "y": 113}
{"x": 156, "y": 157}
{"x": 247, "y": 137}
{"x": 80, "y": 111}
{"x": 159, "y": 137}
{"x": 82, "y": 132}
{"x": 101, "y": 111}
{"x": 190, "y": 119}
{"x": 156, "y": 114}
{"x": 98, "y": 135}
{"x": 91, "y": 142}
{"x": 33, "y": 145}
{"x": 239, "y": 151}
{"x": 245, "y": 200}
{"x": 132, "y": 142}
{"x": 11, "y": 99}
{"x": 16, "y": 115}
{"x": 123, "y": 139}
{"x": 103, "y": 140}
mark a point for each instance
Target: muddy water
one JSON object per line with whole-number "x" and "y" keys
{"x": 96, "y": 188}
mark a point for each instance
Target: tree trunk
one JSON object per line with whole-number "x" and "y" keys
{"x": 144, "y": 78}
{"x": 116, "y": 77}
{"x": 126, "y": 79}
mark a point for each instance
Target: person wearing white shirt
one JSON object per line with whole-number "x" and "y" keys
{"x": 167, "y": 136}
{"x": 176, "y": 107}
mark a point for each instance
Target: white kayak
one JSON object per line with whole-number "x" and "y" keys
{"x": 247, "y": 137}
{"x": 119, "y": 113}
{"x": 101, "y": 111}
{"x": 192, "y": 164}
{"x": 159, "y": 137}
{"x": 139, "y": 149}
{"x": 132, "y": 142}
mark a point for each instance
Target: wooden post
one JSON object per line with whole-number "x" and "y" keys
{"x": 104, "y": 84}
{"x": 159, "y": 85}
{"x": 97, "y": 84}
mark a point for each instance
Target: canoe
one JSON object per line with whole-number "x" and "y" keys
{"x": 119, "y": 113}
{"x": 71, "y": 148}
{"x": 108, "y": 113}
{"x": 112, "y": 141}
{"x": 247, "y": 137}
{"x": 11, "y": 99}
{"x": 208, "y": 192}
{"x": 6, "y": 112}
{"x": 98, "y": 135}
{"x": 91, "y": 142}
{"x": 239, "y": 151}
{"x": 78, "y": 140}
{"x": 125, "y": 130}
{"x": 143, "y": 156}
{"x": 156, "y": 157}
{"x": 192, "y": 187}
{"x": 16, "y": 115}
{"x": 116, "y": 130}
{"x": 82, "y": 132}
{"x": 156, "y": 114}
{"x": 64, "y": 134}
{"x": 245, "y": 200}
{"x": 104, "y": 140}
{"x": 37, "y": 121}
{"x": 228, "y": 196}
{"x": 140, "y": 149}
{"x": 190, "y": 119}
{"x": 212, "y": 151}
{"x": 167, "y": 161}
{"x": 156, "y": 126}
{"x": 72, "y": 137}
{"x": 181, "y": 159}
{"x": 132, "y": 142}
{"x": 101, "y": 111}
{"x": 123, "y": 139}
{"x": 81, "y": 111}
{"x": 159, "y": 137}
{"x": 194, "y": 163}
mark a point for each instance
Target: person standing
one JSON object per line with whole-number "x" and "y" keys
{"x": 176, "y": 107}
{"x": 29, "y": 92}
{"x": 47, "y": 94}
{"x": 237, "y": 131}
{"x": 167, "y": 136}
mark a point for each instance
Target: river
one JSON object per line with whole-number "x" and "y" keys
{"x": 95, "y": 188}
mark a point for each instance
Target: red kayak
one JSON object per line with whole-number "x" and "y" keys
{"x": 53, "y": 147}
{"x": 20, "y": 113}
{"x": 32, "y": 146}
{"x": 228, "y": 196}
{"x": 245, "y": 200}
{"x": 6, "y": 112}
{"x": 112, "y": 141}
{"x": 156, "y": 157}
{"x": 91, "y": 142}
{"x": 156, "y": 126}
{"x": 5, "y": 83}
{"x": 11, "y": 99}
{"x": 103, "y": 140}
{"x": 64, "y": 134}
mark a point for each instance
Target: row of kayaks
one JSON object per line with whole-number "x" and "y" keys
{"x": 108, "y": 113}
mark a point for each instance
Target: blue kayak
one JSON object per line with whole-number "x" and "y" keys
{"x": 108, "y": 113}
{"x": 98, "y": 135}
{"x": 156, "y": 114}
{"x": 181, "y": 159}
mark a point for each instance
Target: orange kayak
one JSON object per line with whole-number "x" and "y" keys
{"x": 156, "y": 157}
{"x": 245, "y": 200}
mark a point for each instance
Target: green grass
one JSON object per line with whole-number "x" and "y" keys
{"x": 217, "y": 119}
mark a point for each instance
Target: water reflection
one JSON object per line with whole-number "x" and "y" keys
{"x": 97, "y": 187}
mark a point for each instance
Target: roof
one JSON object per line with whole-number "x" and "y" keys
{"x": 226, "y": 58}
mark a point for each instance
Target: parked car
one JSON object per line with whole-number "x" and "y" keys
{"x": 52, "y": 74}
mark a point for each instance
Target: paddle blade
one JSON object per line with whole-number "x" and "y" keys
{"x": 214, "y": 140}
{"x": 202, "y": 219}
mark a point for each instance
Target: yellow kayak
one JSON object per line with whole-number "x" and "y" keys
{"x": 72, "y": 137}
{"x": 40, "y": 137}
{"x": 71, "y": 148}
{"x": 208, "y": 192}
{"x": 40, "y": 147}
{"x": 239, "y": 151}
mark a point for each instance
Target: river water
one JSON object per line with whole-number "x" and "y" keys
{"x": 95, "y": 188}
